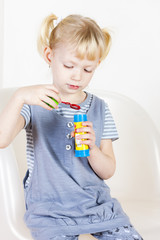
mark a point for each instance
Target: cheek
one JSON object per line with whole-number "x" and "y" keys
{"x": 60, "y": 77}
{"x": 56, "y": 71}
{"x": 86, "y": 81}
{"x": 88, "y": 77}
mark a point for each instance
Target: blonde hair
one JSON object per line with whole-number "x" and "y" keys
{"x": 82, "y": 32}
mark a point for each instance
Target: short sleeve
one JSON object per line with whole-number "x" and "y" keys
{"x": 110, "y": 130}
{"x": 26, "y": 113}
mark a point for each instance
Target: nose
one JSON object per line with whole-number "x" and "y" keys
{"x": 77, "y": 74}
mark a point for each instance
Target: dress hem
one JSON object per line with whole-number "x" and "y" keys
{"x": 50, "y": 232}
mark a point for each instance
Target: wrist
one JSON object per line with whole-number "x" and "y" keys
{"x": 93, "y": 152}
{"x": 16, "y": 101}
{"x": 93, "y": 149}
{"x": 18, "y": 96}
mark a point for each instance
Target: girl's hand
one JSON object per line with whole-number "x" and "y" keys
{"x": 88, "y": 137}
{"x": 39, "y": 95}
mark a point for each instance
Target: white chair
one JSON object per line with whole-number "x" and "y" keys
{"x": 136, "y": 182}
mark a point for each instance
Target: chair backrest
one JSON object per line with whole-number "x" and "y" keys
{"x": 137, "y": 150}
{"x": 20, "y": 140}
{"x": 12, "y": 170}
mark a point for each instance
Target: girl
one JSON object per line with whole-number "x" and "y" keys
{"x": 66, "y": 195}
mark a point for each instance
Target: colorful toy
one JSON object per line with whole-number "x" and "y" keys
{"x": 81, "y": 150}
{"x": 74, "y": 106}
{"x": 53, "y": 100}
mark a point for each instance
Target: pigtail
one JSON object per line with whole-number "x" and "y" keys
{"x": 46, "y": 28}
{"x": 108, "y": 41}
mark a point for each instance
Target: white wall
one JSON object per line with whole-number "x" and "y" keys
{"x": 132, "y": 67}
{"x": 1, "y": 41}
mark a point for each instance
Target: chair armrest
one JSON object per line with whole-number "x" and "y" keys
{"x": 12, "y": 205}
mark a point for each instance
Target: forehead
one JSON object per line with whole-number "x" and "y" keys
{"x": 68, "y": 52}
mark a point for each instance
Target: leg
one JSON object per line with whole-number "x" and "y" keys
{"x": 120, "y": 233}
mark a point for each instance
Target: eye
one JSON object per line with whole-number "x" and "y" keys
{"x": 68, "y": 66}
{"x": 88, "y": 71}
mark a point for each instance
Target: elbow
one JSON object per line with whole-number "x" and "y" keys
{"x": 110, "y": 173}
{"x": 3, "y": 145}
{"x": 108, "y": 176}
{"x": 3, "y": 142}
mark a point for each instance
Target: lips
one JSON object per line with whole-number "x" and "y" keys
{"x": 74, "y": 87}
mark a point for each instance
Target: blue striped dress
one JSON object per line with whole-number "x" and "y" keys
{"x": 110, "y": 131}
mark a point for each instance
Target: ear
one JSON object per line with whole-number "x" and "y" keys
{"x": 98, "y": 63}
{"x": 47, "y": 55}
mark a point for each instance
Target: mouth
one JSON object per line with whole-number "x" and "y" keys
{"x": 74, "y": 87}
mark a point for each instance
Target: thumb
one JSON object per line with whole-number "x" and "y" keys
{"x": 73, "y": 134}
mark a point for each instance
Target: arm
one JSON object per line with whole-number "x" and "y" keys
{"x": 11, "y": 121}
{"x": 102, "y": 160}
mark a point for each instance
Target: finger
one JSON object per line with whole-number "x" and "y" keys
{"x": 83, "y": 136}
{"x": 87, "y": 123}
{"x": 56, "y": 99}
{"x": 73, "y": 134}
{"x": 53, "y": 95}
{"x": 85, "y": 129}
{"x": 87, "y": 142}
{"x": 48, "y": 101}
{"x": 44, "y": 105}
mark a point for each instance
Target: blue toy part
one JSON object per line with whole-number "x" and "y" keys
{"x": 81, "y": 150}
